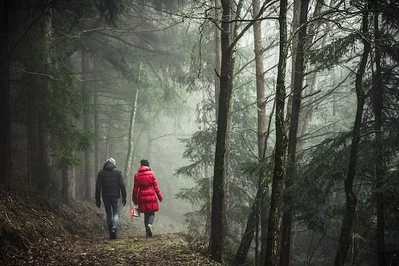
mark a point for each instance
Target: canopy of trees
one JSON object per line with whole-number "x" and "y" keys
{"x": 274, "y": 123}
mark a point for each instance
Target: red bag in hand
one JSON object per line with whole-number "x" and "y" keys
{"x": 134, "y": 211}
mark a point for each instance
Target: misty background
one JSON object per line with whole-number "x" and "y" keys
{"x": 287, "y": 136}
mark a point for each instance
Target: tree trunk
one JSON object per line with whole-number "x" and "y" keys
{"x": 280, "y": 147}
{"x": 217, "y": 37}
{"x": 68, "y": 184}
{"x": 242, "y": 251}
{"x": 44, "y": 158}
{"x": 108, "y": 135}
{"x": 311, "y": 78}
{"x": 294, "y": 43}
{"x": 217, "y": 220}
{"x": 234, "y": 27}
{"x": 130, "y": 139}
{"x": 260, "y": 82}
{"x": 5, "y": 135}
{"x": 253, "y": 217}
{"x": 130, "y": 144}
{"x": 261, "y": 131}
{"x": 88, "y": 175}
{"x": 96, "y": 119}
{"x": 378, "y": 105}
{"x": 350, "y": 205}
{"x": 285, "y": 251}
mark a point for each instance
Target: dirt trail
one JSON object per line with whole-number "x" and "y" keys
{"x": 168, "y": 249}
{"x": 37, "y": 231}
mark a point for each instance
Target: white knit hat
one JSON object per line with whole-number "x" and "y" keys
{"x": 112, "y": 160}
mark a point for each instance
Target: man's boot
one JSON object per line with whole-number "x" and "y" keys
{"x": 112, "y": 233}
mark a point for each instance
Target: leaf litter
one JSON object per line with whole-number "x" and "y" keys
{"x": 38, "y": 231}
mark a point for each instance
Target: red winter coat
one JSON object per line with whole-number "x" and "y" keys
{"x": 144, "y": 190}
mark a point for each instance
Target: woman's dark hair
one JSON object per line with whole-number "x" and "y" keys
{"x": 144, "y": 162}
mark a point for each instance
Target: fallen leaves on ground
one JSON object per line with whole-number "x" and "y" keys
{"x": 38, "y": 231}
{"x": 168, "y": 249}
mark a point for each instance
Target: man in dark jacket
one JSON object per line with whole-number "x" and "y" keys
{"x": 110, "y": 184}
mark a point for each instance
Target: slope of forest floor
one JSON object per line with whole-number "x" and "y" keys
{"x": 38, "y": 231}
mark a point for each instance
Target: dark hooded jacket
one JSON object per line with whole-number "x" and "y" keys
{"x": 110, "y": 182}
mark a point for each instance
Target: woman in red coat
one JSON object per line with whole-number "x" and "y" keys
{"x": 145, "y": 193}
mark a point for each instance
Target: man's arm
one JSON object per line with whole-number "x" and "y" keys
{"x": 122, "y": 186}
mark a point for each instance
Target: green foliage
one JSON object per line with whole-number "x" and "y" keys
{"x": 65, "y": 104}
{"x": 334, "y": 52}
{"x": 110, "y": 9}
{"x": 323, "y": 172}
{"x": 198, "y": 195}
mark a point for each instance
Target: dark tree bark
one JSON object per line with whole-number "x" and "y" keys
{"x": 44, "y": 155}
{"x": 5, "y": 135}
{"x": 378, "y": 105}
{"x": 96, "y": 118}
{"x": 228, "y": 175}
{"x": 86, "y": 93}
{"x": 350, "y": 204}
{"x": 310, "y": 79}
{"x": 285, "y": 249}
{"x": 280, "y": 147}
{"x": 242, "y": 251}
{"x": 218, "y": 52}
{"x": 217, "y": 220}
{"x": 218, "y": 56}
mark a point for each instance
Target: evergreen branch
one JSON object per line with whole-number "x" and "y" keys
{"x": 265, "y": 5}
{"x": 183, "y": 16}
{"x": 78, "y": 77}
{"x": 168, "y": 135}
{"x": 129, "y": 43}
{"x": 29, "y": 28}
{"x": 249, "y": 149}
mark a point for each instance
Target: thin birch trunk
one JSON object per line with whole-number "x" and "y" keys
{"x": 108, "y": 135}
{"x": 261, "y": 132}
{"x": 130, "y": 140}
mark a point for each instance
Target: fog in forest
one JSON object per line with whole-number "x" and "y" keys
{"x": 271, "y": 126}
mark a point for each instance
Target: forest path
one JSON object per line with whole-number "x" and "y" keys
{"x": 38, "y": 231}
{"x": 168, "y": 249}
